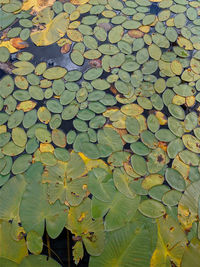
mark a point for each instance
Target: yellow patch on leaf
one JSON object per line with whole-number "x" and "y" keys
{"x": 178, "y": 100}
{"x": 83, "y": 215}
{"x": 161, "y": 117}
{"x": 163, "y": 146}
{"x": 37, "y": 5}
{"x": 74, "y": 15}
{"x": 183, "y": 42}
{"x": 46, "y": 148}
{"x": 94, "y": 163}
{"x": 176, "y": 67}
{"x": 26, "y": 105}
{"x": 181, "y": 167}
{"x": 144, "y": 28}
{"x": 3, "y": 129}
{"x": 190, "y": 101}
{"x": 75, "y": 35}
{"x": 52, "y": 32}
{"x": 171, "y": 243}
{"x": 8, "y": 45}
{"x": 79, "y": 2}
{"x": 170, "y": 22}
{"x": 135, "y": 33}
{"x": 132, "y": 110}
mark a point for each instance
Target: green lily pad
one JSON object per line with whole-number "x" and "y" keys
{"x": 4, "y": 54}
{"x": 4, "y": 138}
{"x": 21, "y": 164}
{"x": 23, "y": 68}
{"x": 171, "y": 198}
{"x": 6, "y": 86}
{"x": 157, "y": 192}
{"x": 139, "y": 164}
{"x": 175, "y": 179}
{"x": 43, "y": 135}
{"x": 19, "y": 136}
{"x": 77, "y": 58}
{"x": 70, "y": 111}
{"x": 151, "y": 208}
{"x": 54, "y": 73}
{"x": 59, "y": 138}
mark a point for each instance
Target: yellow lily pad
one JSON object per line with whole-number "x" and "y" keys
{"x": 132, "y": 110}
{"x": 192, "y": 143}
{"x": 26, "y": 105}
{"x": 36, "y": 5}
{"x": 176, "y": 67}
{"x": 152, "y": 180}
{"x": 75, "y": 35}
{"x": 52, "y": 32}
{"x": 79, "y": 2}
{"x": 183, "y": 42}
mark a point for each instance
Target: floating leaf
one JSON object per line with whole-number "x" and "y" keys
{"x": 133, "y": 237}
{"x": 191, "y": 253}
{"x": 152, "y": 208}
{"x": 53, "y": 31}
{"x": 36, "y": 5}
{"x": 175, "y": 179}
{"x": 6, "y": 86}
{"x": 81, "y": 224}
{"x": 23, "y": 68}
{"x": 54, "y": 73}
{"x": 54, "y": 215}
{"x": 34, "y": 243}
{"x": 111, "y": 210}
{"x": 39, "y": 260}
{"x": 14, "y": 250}
{"x": 188, "y": 205}
{"x": 170, "y": 244}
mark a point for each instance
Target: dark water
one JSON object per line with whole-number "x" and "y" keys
{"x": 60, "y": 251}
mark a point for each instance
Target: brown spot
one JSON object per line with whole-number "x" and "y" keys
{"x": 160, "y": 158}
{"x": 76, "y": 238}
{"x": 135, "y": 33}
{"x": 65, "y": 48}
{"x": 92, "y": 237}
{"x": 165, "y": 216}
{"x": 198, "y": 145}
{"x": 95, "y": 63}
{"x": 105, "y": 26}
{"x": 18, "y": 43}
{"x": 113, "y": 90}
{"x": 74, "y": 194}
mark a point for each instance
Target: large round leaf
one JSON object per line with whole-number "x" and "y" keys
{"x": 39, "y": 261}
{"x": 127, "y": 247}
{"x": 35, "y": 210}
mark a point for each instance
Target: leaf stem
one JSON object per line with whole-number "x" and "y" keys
{"x": 48, "y": 245}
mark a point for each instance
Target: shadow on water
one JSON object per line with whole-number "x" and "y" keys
{"x": 52, "y": 55}
{"x": 154, "y": 9}
{"x": 59, "y": 250}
